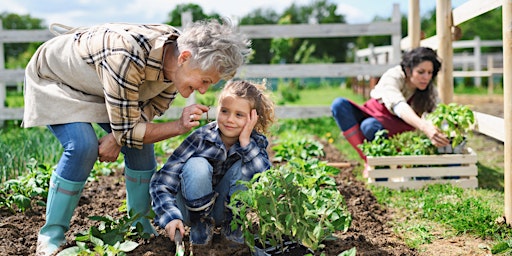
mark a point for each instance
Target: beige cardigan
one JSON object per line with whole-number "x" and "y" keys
{"x": 60, "y": 87}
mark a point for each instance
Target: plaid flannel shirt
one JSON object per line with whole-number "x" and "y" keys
{"x": 204, "y": 142}
{"x": 128, "y": 61}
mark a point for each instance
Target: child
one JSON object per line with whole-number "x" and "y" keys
{"x": 196, "y": 183}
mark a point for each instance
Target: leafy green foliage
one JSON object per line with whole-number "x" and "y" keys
{"x": 17, "y": 194}
{"x": 403, "y": 144}
{"x": 455, "y": 120}
{"x": 303, "y": 148}
{"x": 110, "y": 237}
{"x": 298, "y": 201}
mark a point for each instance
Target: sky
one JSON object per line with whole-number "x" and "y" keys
{"x": 91, "y": 12}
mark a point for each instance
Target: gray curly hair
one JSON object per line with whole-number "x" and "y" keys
{"x": 215, "y": 45}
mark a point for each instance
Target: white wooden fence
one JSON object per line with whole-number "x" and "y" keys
{"x": 499, "y": 128}
{"x": 392, "y": 29}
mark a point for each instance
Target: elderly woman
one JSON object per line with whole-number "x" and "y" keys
{"x": 120, "y": 76}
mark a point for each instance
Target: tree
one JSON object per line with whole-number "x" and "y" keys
{"x": 322, "y": 12}
{"x": 261, "y": 47}
{"x": 486, "y": 26}
{"x": 17, "y": 55}
{"x": 196, "y": 10}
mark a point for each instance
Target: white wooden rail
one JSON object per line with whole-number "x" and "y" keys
{"x": 392, "y": 29}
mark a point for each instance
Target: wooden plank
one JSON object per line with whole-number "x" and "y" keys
{"x": 320, "y": 30}
{"x": 473, "y": 8}
{"x": 340, "y": 164}
{"x": 475, "y": 73}
{"x": 12, "y": 75}
{"x": 11, "y": 113}
{"x": 417, "y": 184}
{"x": 423, "y": 160}
{"x": 311, "y": 70}
{"x": 25, "y": 35}
{"x": 468, "y": 170}
{"x": 490, "y": 125}
{"x": 270, "y": 71}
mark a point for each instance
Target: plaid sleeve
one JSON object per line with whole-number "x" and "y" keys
{"x": 120, "y": 67}
{"x": 255, "y": 157}
{"x": 165, "y": 183}
{"x": 159, "y": 104}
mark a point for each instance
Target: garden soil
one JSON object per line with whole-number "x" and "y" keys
{"x": 370, "y": 232}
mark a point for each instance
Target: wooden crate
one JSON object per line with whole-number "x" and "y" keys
{"x": 416, "y": 171}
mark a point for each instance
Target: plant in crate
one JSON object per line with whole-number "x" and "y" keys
{"x": 401, "y": 144}
{"x": 456, "y": 121}
{"x": 297, "y": 201}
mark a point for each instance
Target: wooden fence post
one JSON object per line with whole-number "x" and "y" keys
{"x": 490, "y": 79}
{"x": 414, "y": 26}
{"x": 186, "y": 19}
{"x": 507, "y": 104}
{"x": 3, "y": 93}
{"x": 444, "y": 23}
{"x": 477, "y": 53}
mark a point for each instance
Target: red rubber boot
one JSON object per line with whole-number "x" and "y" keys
{"x": 355, "y": 137}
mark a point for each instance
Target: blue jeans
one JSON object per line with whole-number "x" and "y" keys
{"x": 347, "y": 115}
{"x": 81, "y": 151}
{"x": 196, "y": 182}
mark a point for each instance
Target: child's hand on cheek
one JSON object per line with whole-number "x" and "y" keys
{"x": 245, "y": 135}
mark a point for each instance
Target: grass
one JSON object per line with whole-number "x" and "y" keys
{"x": 422, "y": 215}
{"x": 324, "y": 96}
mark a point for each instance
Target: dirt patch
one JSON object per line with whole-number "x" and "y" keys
{"x": 370, "y": 231}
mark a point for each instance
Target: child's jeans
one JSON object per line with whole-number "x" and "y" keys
{"x": 196, "y": 182}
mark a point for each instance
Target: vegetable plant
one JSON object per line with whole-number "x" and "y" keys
{"x": 455, "y": 120}
{"x": 18, "y": 194}
{"x": 400, "y": 144}
{"x": 111, "y": 237}
{"x": 304, "y": 148}
{"x": 298, "y": 201}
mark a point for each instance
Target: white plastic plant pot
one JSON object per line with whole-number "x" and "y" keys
{"x": 449, "y": 149}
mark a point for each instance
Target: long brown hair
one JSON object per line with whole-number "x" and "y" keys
{"x": 423, "y": 100}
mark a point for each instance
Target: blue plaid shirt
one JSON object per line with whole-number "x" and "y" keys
{"x": 204, "y": 142}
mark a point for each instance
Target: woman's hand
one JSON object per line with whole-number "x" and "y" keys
{"x": 190, "y": 117}
{"x": 245, "y": 135}
{"x": 173, "y": 226}
{"x": 108, "y": 149}
{"x": 435, "y": 135}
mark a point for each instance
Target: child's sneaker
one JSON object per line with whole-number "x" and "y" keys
{"x": 235, "y": 236}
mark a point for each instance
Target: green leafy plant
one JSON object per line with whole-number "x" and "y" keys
{"x": 400, "y": 144}
{"x": 297, "y": 201}
{"x": 17, "y": 194}
{"x": 304, "y": 148}
{"x": 111, "y": 237}
{"x": 455, "y": 120}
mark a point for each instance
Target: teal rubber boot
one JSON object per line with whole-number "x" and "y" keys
{"x": 138, "y": 199}
{"x": 63, "y": 197}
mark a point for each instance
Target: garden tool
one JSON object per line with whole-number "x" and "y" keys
{"x": 63, "y": 197}
{"x": 180, "y": 245}
{"x": 138, "y": 199}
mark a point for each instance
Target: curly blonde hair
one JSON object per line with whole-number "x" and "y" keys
{"x": 257, "y": 96}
